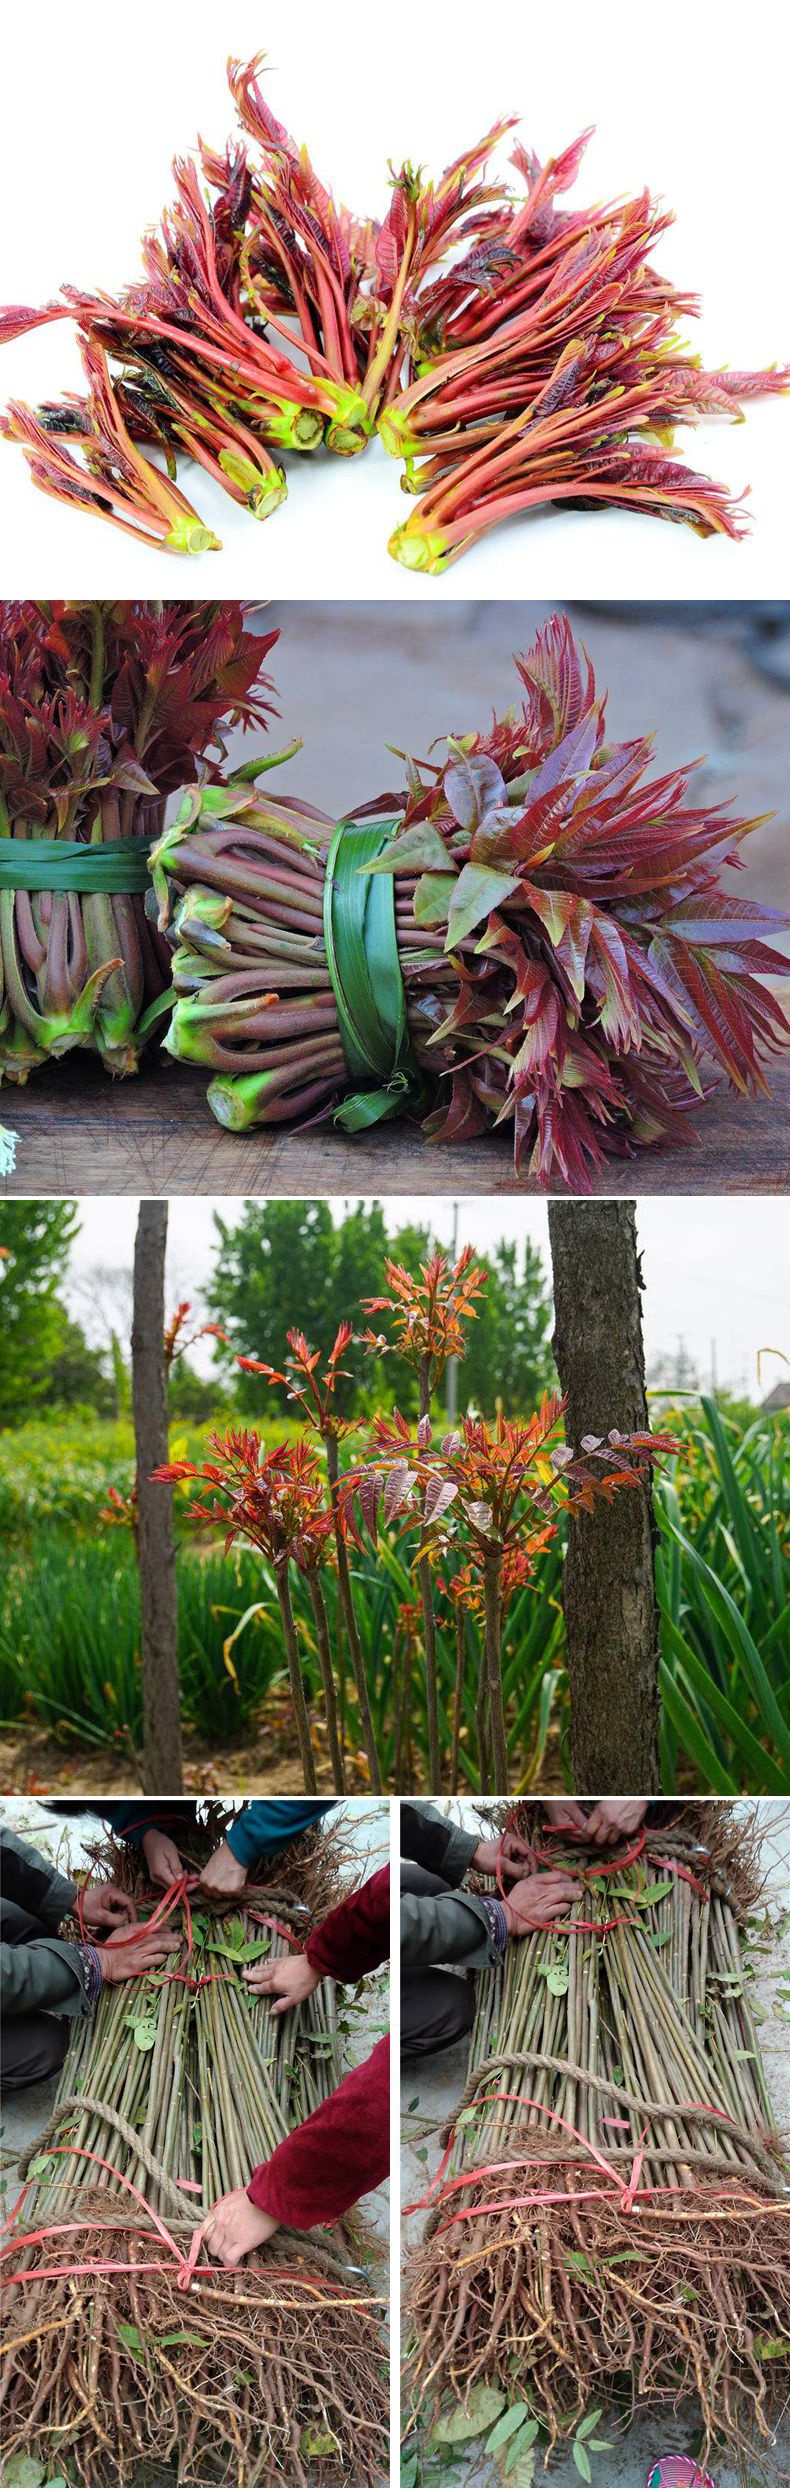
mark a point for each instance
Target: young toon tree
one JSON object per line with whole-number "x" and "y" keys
{"x": 485, "y": 1498}
{"x": 428, "y": 1315}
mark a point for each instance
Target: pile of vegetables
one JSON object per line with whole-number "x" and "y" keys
{"x": 123, "y": 2344}
{"x": 539, "y": 936}
{"x": 608, "y": 2227}
{"x": 106, "y": 710}
{"x": 511, "y": 350}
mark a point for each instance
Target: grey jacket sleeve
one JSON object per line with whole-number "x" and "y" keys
{"x": 43, "y": 1972}
{"x": 28, "y": 1879}
{"x": 431, "y": 1840}
{"x": 446, "y": 1928}
{"x": 37, "y": 1971}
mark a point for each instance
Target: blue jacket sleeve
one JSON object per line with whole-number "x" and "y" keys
{"x": 130, "y": 1819}
{"x": 268, "y": 1824}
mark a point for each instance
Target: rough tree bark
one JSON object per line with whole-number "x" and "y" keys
{"x": 610, "y": 1603}
{"x": 156, "y": 1543}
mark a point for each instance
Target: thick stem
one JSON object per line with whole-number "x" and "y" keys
{"x": 162, "y": 1771}
{"x": 347, "y": 1605}
{"x": 327, "y": 1679}
{"x": 611, "y": 1611}
{"x": 458, "y": 1701}
{"x": 429, "y": 1619}
{"x": 295, "y": 1675}
{"x": 493, "y": 1665}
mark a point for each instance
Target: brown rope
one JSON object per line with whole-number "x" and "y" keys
{"x": 505, "y": 2059}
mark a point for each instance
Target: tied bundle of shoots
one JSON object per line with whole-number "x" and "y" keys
{"x": 106, "y": 710}
{"x": 609, "y": 2226}
{"x": 567, "y": 956}
{"x": 178, "y": 2088}
{"x": 512, "y": 351}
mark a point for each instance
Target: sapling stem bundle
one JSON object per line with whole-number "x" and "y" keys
{"x": 181, "y": 2085}
{"x": 611, "y": 2225}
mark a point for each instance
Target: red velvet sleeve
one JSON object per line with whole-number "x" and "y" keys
{"x": 356, "y": 1937}
{"x": 340, "y": 2152}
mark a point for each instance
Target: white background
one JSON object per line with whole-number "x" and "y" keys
{"x": 95, "y": 105}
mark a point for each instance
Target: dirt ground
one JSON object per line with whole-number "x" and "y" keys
{"x": 36, "y": 1763}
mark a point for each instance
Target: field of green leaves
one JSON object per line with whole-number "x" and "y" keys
{"x": 69, "y": 1612}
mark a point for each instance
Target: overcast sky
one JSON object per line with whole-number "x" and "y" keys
{"x": 716, "y": 1269}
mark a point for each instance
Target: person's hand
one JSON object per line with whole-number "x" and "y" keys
{"x": 108, "y": 1907}
{"x": 165, "y": 1864}
{"x": 512, "y": 1857}
{"x": 536, "y": 1900}
{"x": 567, "y": 1812}
{"x": 142, "y": 1954}
{"x": 223, "y": 1873}
{"x": 235, "y": 2226}
{"x": 286, "y": 1982}
{"x": 614, "y": 1817}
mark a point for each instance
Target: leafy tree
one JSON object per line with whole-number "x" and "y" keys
{"x": 272, "y": 1271}
{"x": 78, "y": 1373}
{"x": 35, "y": 1238}
{"x": 508, "y": 1351}
{"x": 289, "y": 1264}
{"x": 191, "y": 1396}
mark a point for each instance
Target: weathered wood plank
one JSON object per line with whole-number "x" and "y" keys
{"x": 80, "y": 1133}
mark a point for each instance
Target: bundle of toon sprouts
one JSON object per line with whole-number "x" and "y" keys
{"x": 124, "y": 2346}
{"x": 542, "y": 936}
{"x": 514, "y": 352}
{"x": 610, "y": 2225}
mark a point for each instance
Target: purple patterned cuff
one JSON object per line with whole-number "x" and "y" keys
{"x": 497, "y": 1922}
{"x": 92, "y": 1975}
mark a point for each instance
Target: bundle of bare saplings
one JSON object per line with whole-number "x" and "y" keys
{"x": 124, "y": 2345}
{"x": 609, "y": 2225}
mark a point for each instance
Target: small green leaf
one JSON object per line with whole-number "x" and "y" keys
{"x": 144, "y": 2032}
{"x": 410, "y": 2473}
{"x": 519, "y": 2449}
{"x": 36, "y": 2170}
{"x": 589, "y": 2423}
{"x": 431, "y": 900}
{"x": 414, "y": 2105}
{"x": 504, "y": 2428}
{"x": 318, "y": 2442}
{"x": 581, "y": 2460}
{"x": 557, "y": 1978}
{"x": 771, "y": 2347}
{"x": 479, "y": 888}
{"x": 577, "y": 2259}
{"x": 130, "y": 2336}
{"x": 24, "y": 2471}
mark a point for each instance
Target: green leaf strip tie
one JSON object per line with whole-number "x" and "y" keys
{"x": 74, "y": 864}
{"x": 362, "y": 956}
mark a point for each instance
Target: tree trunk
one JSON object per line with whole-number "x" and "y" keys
{"x": 156, "y": 1542}
{"x": 610, "y": 1604}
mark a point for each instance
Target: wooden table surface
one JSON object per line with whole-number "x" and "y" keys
{"x": 82, "y": 1133}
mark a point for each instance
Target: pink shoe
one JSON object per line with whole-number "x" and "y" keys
{"x": 674, "y": 2472}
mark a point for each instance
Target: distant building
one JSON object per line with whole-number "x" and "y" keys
{"x": 779, "y": 1399}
